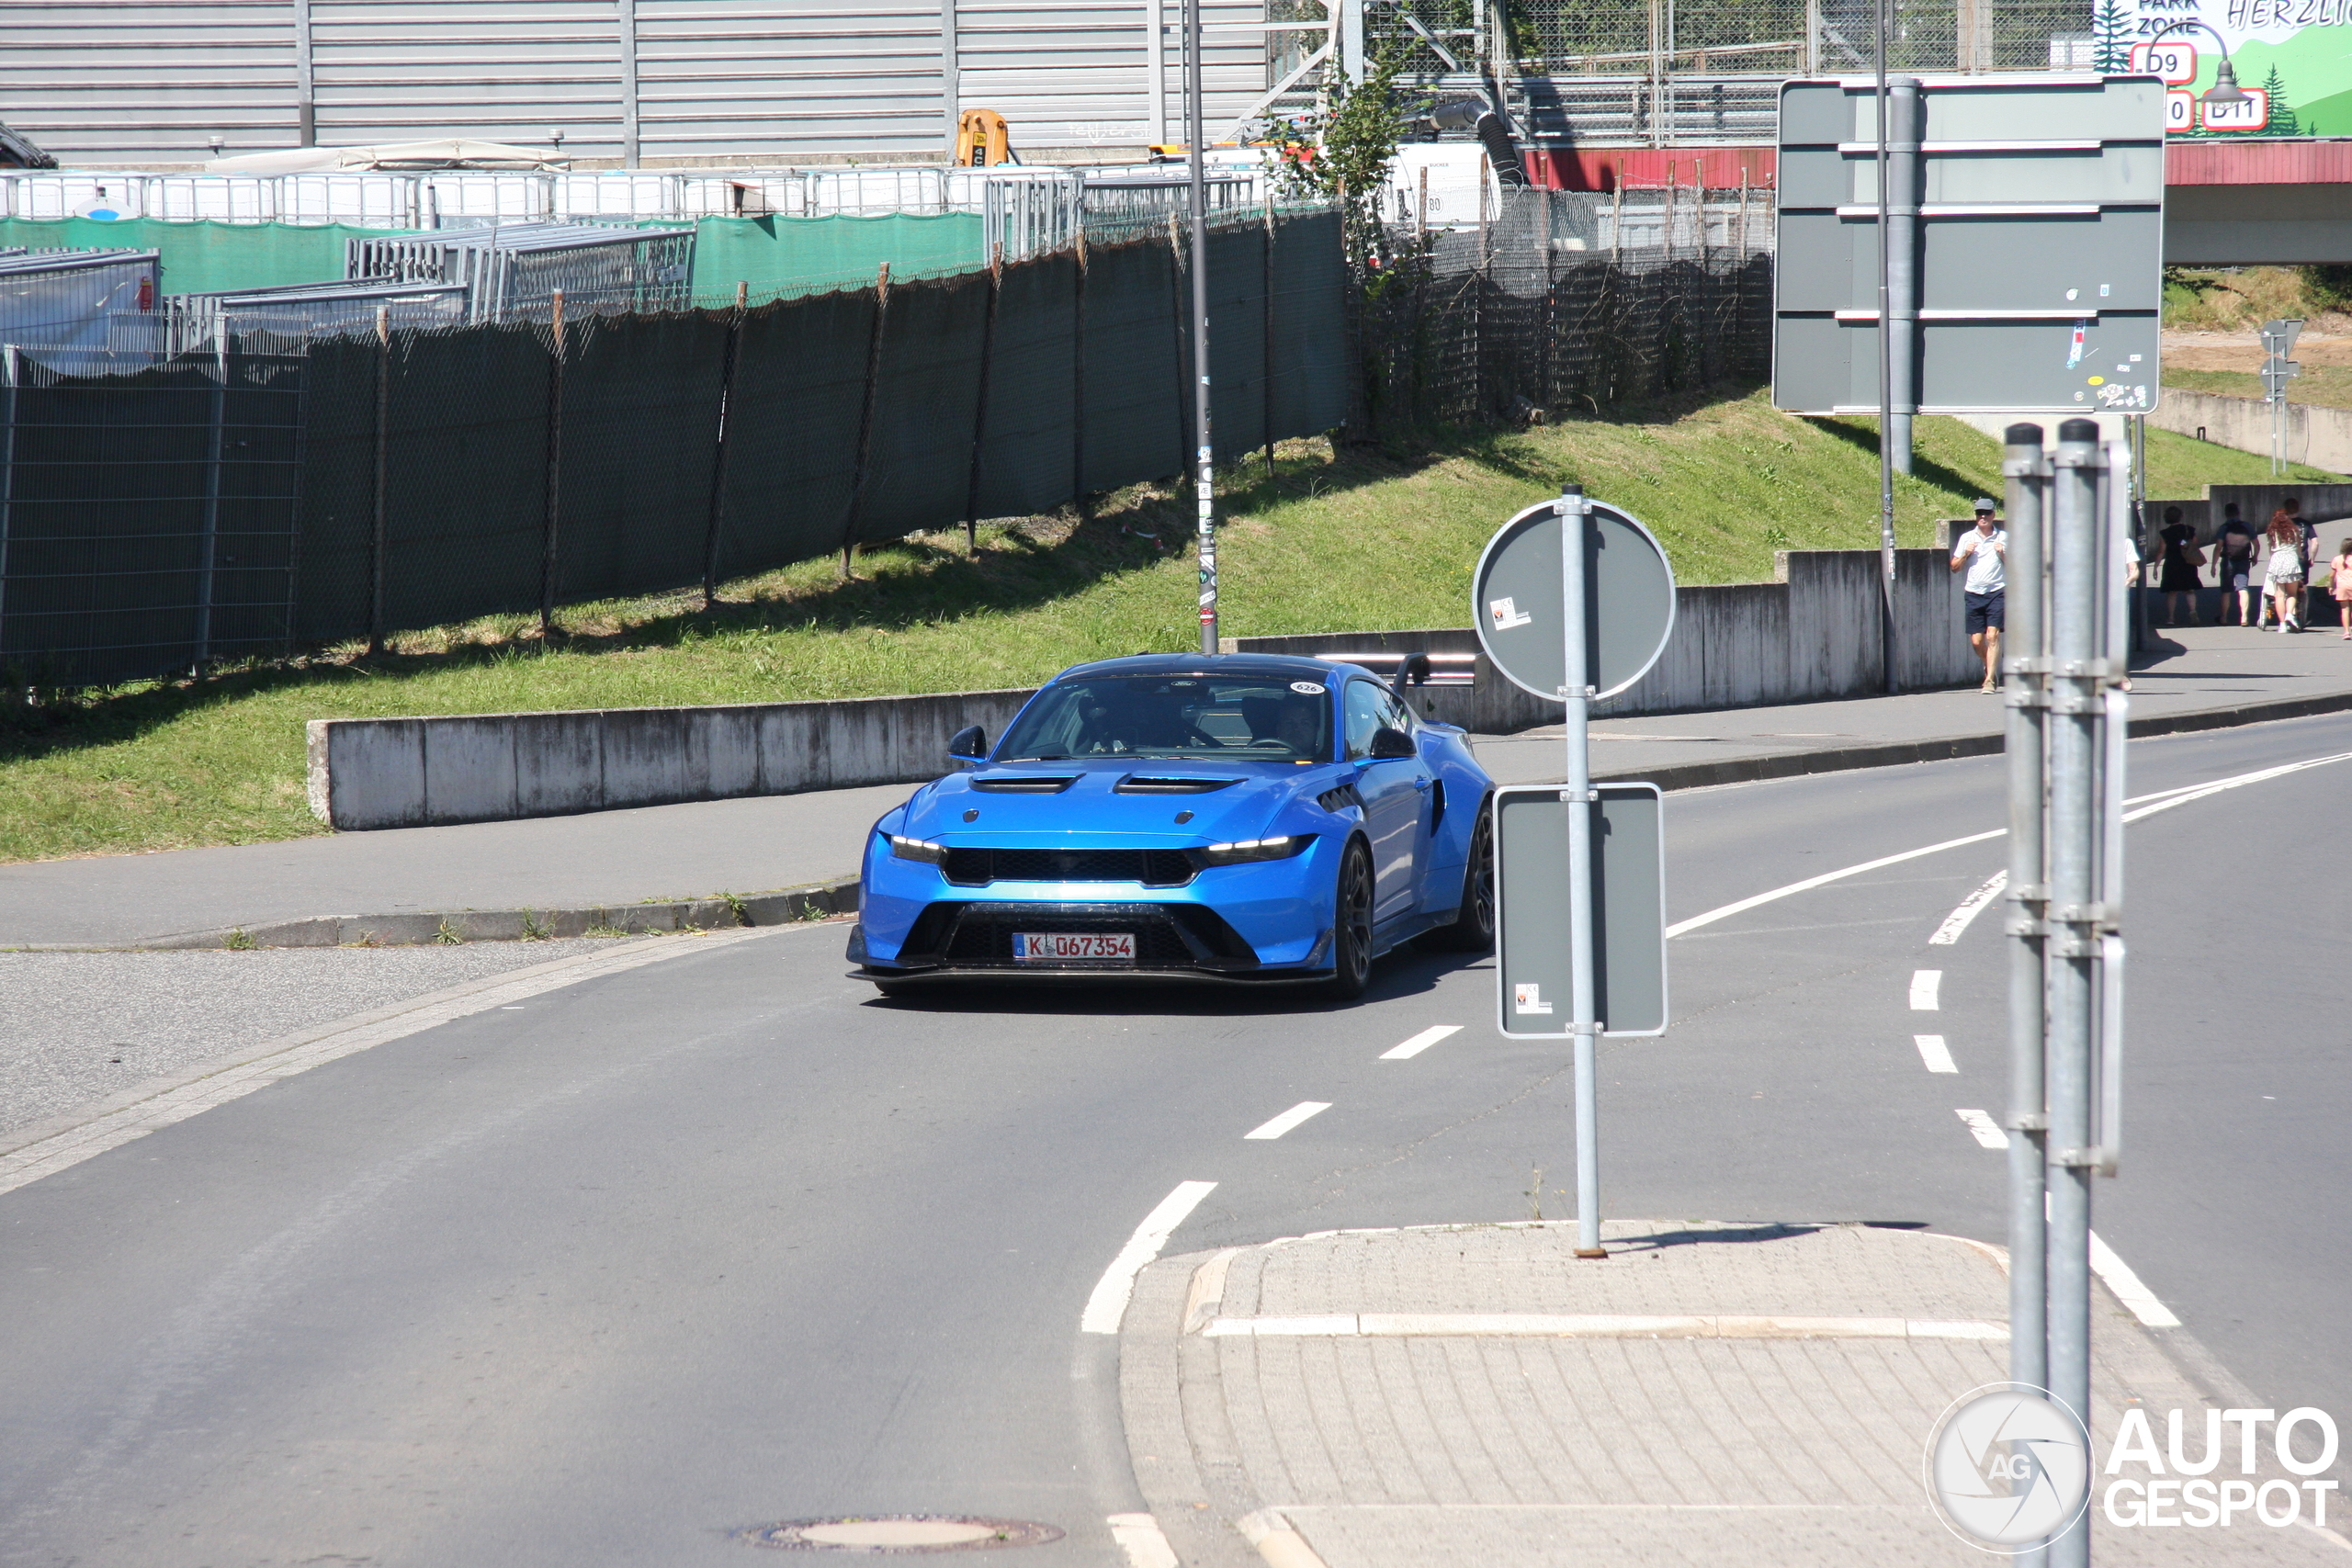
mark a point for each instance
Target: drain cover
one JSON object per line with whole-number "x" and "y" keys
{"x": 900, "y": 1533}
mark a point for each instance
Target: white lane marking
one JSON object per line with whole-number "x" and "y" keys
{"x": 1810, "y": 883}
{"x": 1970, "y": 908}
{"x": 1925, "y": 984}
{"x": 1108, "y": 1301}
{"x": 1421, "y": 1043}
{"x": 1987, "y": 1131}
{"x": 2165, "y": 802}
{"x": 2128, "y": 1288}
{"x": 1289, "y": 1119}
{"x": 153, "y": 1106}
{"x": 1376, "y": 1325}
{"x": 1933, "y": 1051}
{"x": 1138, "y": 1536}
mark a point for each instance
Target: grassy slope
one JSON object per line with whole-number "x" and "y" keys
{"x": 2323, "y": 386}
{"x": 1360, "y": 542}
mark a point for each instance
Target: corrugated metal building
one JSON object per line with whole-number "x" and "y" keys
{"x": 646, "y": 82}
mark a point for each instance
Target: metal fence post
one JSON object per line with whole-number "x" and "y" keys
{"x": 980, "y": 402}
{"x": 1266, "y": 331}
{"x": 1176, "y": 323}
{"x": 865, "y": 415}
{"x": 550, "y": 561}
{"x": 209, "y": 541}
{"x": 376, "y": 563}
{"x": 1078, "y": 375}
{"x": 11, "y": 374}
{"x": 719, "y": 457}
{"x": 2074, "y": 918}
{"x": 2026, "y": 664}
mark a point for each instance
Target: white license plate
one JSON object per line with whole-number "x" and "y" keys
{"x": 1073, "y": 947}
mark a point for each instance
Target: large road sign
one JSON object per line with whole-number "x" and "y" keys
{"x": 1519, "y": 609}
{"x": 1532, "y": 923}
{"x": 2037, "y": 245}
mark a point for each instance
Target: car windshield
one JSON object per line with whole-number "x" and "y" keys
{"x": 1252, "y": 719}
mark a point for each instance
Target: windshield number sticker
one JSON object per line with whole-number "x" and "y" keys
{"x": 1073, "y": 947}
{"x": 1307, "y": 688}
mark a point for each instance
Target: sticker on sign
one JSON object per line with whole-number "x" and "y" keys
{"x": 1073, "y": 947}
{"x": 2175, "y": 62}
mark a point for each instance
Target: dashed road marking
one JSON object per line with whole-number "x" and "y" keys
{"x": 1970, "y": 908}
{"x": 2128, "y": 1288}
{"x": 1987, "y": 1131}
{"x": 1925, "y": 986}
{"x": 1108, "y": 1301}
{"x": 1289, "y": 1119}
{"x": 1421, "y": 1043}
{"x": 1935, "y": 1052}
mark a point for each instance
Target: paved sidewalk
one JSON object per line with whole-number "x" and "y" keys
{"x": 395, "y": 881}
{"x": 1748, "y": 1393}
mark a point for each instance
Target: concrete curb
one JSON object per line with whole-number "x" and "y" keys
{"x": 418, "y": 928}
{"x": 1884, "y": 754}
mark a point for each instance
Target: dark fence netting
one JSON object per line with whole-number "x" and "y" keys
{"x": 157, "y": 519}
{"x": 1545, "y": 308}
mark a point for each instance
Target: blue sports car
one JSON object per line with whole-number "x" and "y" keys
{"x": 1239, "y": 817}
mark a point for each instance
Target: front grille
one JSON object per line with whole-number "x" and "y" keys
{"x": 1167, "y": 936}
{"x": 975, "y": 865}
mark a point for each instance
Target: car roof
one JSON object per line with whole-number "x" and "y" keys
{"x": 1273, "y": 666}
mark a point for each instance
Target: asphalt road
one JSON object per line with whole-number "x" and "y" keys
{"x": 726, "y": 1240}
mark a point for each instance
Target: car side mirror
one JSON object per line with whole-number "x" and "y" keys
{"x": 1389, "y": 744}
{"x": 969, "y": 744}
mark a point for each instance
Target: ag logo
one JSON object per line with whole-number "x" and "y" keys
{"x": 2008, "y": 1466}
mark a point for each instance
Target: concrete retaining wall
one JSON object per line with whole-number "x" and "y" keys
{"x": 1810, "y": 634}
{"x": 2319, "y": 437}
{"x": 412, "y": 772}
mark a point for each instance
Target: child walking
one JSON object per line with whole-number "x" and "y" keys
{"x": 2339, "y": 581}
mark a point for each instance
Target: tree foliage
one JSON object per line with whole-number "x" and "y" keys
{"x": 1343, "y": 154}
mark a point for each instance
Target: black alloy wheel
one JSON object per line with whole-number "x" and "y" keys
{"x": 1352, "y": 925}
{"x": 1473, "y": 929}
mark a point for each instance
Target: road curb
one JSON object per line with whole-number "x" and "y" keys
{"x": 1943, "y": 749}
{"x": 418, "y": 928}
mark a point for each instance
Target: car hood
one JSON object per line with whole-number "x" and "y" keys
{"x": 1126, "y": 798}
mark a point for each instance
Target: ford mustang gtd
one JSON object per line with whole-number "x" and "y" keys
{"x": 1238, "y": 817}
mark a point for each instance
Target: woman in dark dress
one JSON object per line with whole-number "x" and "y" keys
{"x": 2179, "y": 580}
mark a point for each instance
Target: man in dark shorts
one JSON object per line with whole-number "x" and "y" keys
{"x": 1982, "y": 551}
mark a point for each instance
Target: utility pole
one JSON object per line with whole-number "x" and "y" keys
{"x": 1204, "y": 464}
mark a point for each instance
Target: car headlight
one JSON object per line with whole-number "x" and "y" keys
{"x": 1248, "y": 850}
{"x": 918, "y": 849}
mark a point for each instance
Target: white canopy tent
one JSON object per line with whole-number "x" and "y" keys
{"x": 443, "y": 152}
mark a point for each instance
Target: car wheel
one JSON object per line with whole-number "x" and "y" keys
{"x": 1352, "y": 926}
{"x": 1473, "y": 929}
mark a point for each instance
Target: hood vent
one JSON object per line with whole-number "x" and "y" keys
{"x": 1137, "y": 784}
{"x": 1023, "y": 784}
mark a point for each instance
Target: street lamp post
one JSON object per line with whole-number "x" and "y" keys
{"x": 2225, "y": 88}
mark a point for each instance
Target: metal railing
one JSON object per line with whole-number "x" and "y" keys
{"x": 517, "y": 269}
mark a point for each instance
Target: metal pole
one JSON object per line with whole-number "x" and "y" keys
{"x": 980, "y": 402}
{"x": 1204, "y": 458}
{"x": 11, "y": 373}
{"x": 1904, "y": 105}
{"x": 548, "y": 558}
{"x": 1885, "y": 379}
{"x": 2074, "y": 916}
{"x": 1573, "y": 512}
{"x": 1077, "y": 376}
{"x": 210, "y": 545}
{"x": 383, "y": 469}
{"x": 2025, "y": 661}
{"x": 716, "y": 521}
{"x": 865, "y": 415}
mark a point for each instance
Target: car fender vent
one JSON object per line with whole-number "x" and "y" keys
{"x": 1344, "y": 799}
{"x": 1139, "y": 784}
{"x": 1023, "y": 783}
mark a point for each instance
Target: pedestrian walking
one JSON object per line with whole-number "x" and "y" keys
{"x": 1983, "y": 552}
{"x": 2182, "y": 560}
{"x": 2339, "y": 584}
{"x": 2234, "y": 559}
{"x": 2287, "y": 539}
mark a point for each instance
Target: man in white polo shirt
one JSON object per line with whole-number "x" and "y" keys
{"x": 1980, "y": 551}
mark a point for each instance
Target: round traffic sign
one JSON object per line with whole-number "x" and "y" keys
{"x": 1520, "y": 612}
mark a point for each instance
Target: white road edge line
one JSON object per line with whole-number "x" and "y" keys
{"x": 2165, "y": 801}
{"x": 1138, "y": 1536}
{"x": 150, "y": 1106}
{"x": 1987, "y": 1131}
{"x": 1925, "y": 986}
{"x": 1585, "y": 1325}
{"x": 1935, "y": 1052}
{"x": 1419, "y": 1043}
{"x": 1289, "y": 1119}
{"x": 2128, "y": 1288}
{"x": 1108, "y": 1305}
{"x": 1970, "y": 908}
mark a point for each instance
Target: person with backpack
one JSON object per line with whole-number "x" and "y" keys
{"x": 2182, "y": 560}
{"x": 2233, "y": 557}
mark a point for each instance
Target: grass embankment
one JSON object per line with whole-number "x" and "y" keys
{"x": 2322, "y": 386}
{"x": 1352, "y": 541}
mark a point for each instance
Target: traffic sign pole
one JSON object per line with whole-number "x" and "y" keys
{"x": 1576, "y": 691}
